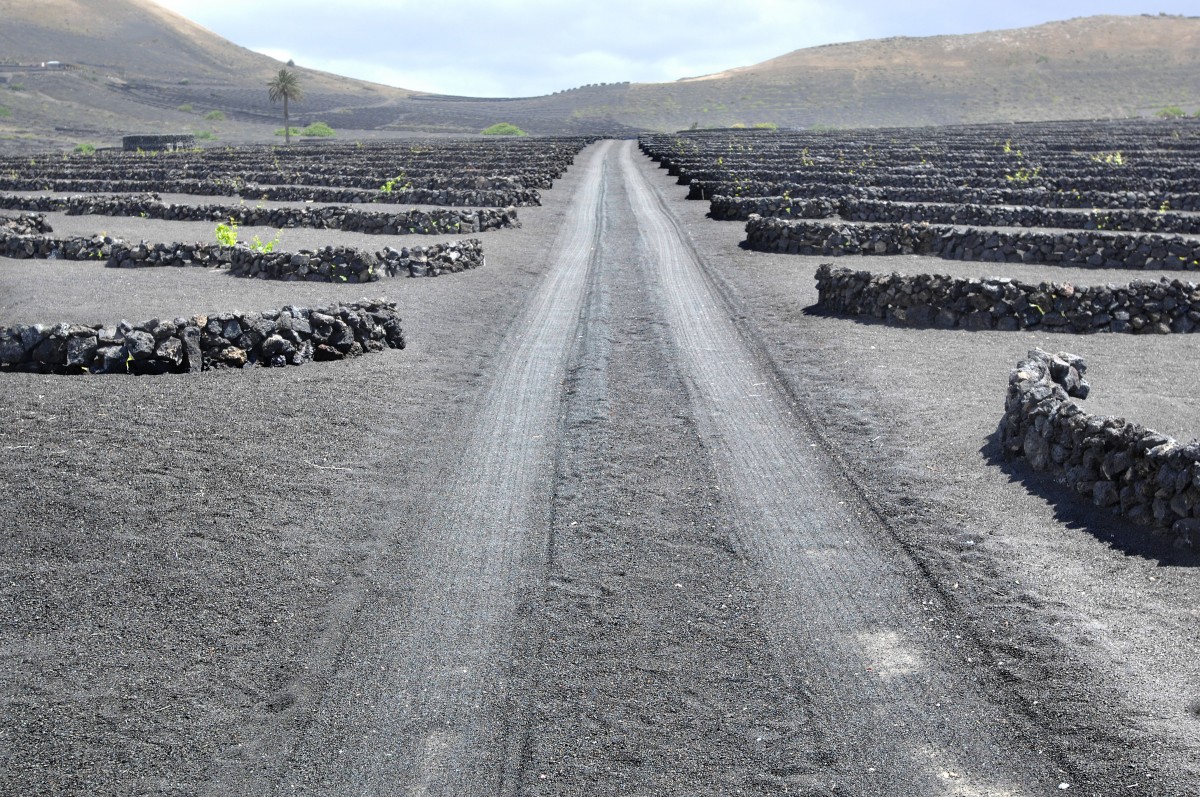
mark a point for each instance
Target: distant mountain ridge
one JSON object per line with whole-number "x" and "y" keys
{"x": 146, "y": 69}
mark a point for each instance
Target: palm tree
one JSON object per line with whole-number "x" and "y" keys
{"x": 285, "y": 86}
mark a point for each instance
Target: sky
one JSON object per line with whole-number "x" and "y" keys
{"x": 520, "y": 48}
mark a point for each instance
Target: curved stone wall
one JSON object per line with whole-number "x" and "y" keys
{"x": 290, "y": 336}
{"x": 1141, "y": 474}
{"x": 351, "y": 219}
{"x": 724, "y": 208}
{"x": 25, "y": 224}
{"x": 1038, "y": 197}
{"x": 330, "y": 264}
{"x": 931, "y": 300}
{"x": 450, "y": 197}
{"x": 1078, "y": 249}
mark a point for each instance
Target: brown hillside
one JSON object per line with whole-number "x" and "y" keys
{"x": 140, "y": 64}
{"x": 1081, "y": 68}
{"x": 133, "y": 65}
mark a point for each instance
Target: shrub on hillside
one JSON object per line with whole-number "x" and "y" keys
{"x": 504, "y": 129}
{"x": 318, "y": 129}
{"x": 314, "y": 130}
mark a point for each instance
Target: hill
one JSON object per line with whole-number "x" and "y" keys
{"x": 1101, "y": 66}
{"x": 95, "y": 70}
{"x": 131, "y": 66}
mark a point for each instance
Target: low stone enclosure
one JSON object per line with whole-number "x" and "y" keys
{"x": 1079, "y": 249}
{"x": 438, "y": 221}
{"x": 1141, "y": 474}
{"x": 329, "y": 264}
{"x": 931, "y": 300}
{"x": 290, "y": 336}
{"x": 735, "y": 192}
{"x": 448, "y": 197}
{"x": 448, "y": 172}
{"x": 724, "y": 208}
{"x": 25, "y": 224}
{"x": 147, "y": 142}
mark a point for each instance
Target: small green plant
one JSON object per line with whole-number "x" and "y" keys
{"x": 84, "y": 149}
{"x": 318, "y": 130}
{"x": 5, "y": 113}
{"x": 766, "y": 126}
{"x": 1110, "y": 158}
{"x": 215, "y": 116}
{"x": 205, "y": 135}
{"x": 503, "y": 129}
{"x": 16, "y": 86}
{"x": 186, "y": 107}
{"x": 1171, "y": 112}
{"x": 1024, "y": 175}
{"x": 398, "y": 183}
{"x": 1165, "y": 206}
{"x": 227, "y": 234}
{"x": 259, "y": 245}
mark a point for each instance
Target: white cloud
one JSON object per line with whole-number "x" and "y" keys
{"x": 528, "y": 47}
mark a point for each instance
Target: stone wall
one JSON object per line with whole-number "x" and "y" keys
{"x": 1079, "y": 249}
{"x": 1145, "y": 476}
{"x": 25, "y": 224}
{"x": 724, "y": 208}
{"x": 155, "y": 142}
{"x": 330, "y": 264}
{"x": 447, "y": 197}
{"x": 437, "y": 221}
{"x": 43, "y": 247}
{"x": 728, "y": 208}
{"x": 931, "y": 300}
{"x": 291, "y": 336}
{"x": 1008, "y": 216}
{"x": 1151, "y": 200}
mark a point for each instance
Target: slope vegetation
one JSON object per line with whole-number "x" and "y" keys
{"x": 136, "y": 67}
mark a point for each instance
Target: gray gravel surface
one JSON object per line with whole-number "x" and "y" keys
{"x": 558, "y": 546}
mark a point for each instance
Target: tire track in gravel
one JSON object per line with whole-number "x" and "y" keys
{"x": 653, "y": 675}
{"x": 902, "y": 706}
{"x": 421, "y": 702}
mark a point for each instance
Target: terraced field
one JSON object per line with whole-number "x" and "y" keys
{"x": 655, "y": 499}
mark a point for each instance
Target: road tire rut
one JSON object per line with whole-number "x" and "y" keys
{"x": 419, "y": 701}
{"x": 903, "y": 706}
{"x": 654, "y": 675}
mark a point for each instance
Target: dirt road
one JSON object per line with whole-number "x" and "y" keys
{"x": 587, "y": 536}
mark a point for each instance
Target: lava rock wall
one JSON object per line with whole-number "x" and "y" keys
{"x": 932, "y": 300}
{"x": 1141, "y": 474}
{"x": 428, "y": 222}
{"x": 726, "y": 208}
{"x": 329, "y": 264}
{"x": 1078, "y": 249}
{"x": 291, "y": 336}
